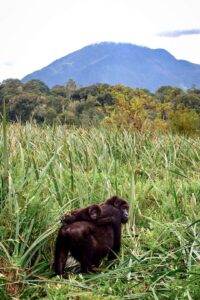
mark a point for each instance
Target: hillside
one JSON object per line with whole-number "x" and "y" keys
{"x": 120, "y": 63}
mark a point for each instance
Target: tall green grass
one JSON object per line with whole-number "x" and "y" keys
{"x": 5, "y": 163}
{"x": 53, "y": 170}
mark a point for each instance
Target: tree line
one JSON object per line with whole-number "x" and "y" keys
{"x": 169, "y": 108}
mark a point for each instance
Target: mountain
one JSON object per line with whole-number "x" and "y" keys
{"x": 120, "y": 63}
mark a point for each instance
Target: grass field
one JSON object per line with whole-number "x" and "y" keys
{"x": 47, "y": 171}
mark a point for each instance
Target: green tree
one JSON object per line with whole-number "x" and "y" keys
{"x": 37, "y": 86}
{"x": 70, "y": 86}
{"x": 22, "y": 107}
{"x": 167, "y": 93}
{"x": 188, "y": 100}
{"x": 185, "y": 120}
{"x": 131, "y": 108}
{"x": 9, "y": 88}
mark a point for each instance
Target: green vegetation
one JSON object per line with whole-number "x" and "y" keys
{"x": 52, "y": 170}
{"x": 169, "y": 109}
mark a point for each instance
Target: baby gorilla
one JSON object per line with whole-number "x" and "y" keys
{"x": 91, "y": 233}
{"x": 105, "y": 213}
{"x": 90, "y": 213}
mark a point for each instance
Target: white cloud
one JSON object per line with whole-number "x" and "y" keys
{"x": 177, "y": 33}
{"x": 35, "y": 32}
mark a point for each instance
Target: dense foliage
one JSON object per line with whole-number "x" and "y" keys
{"x": 170, "y": 108}
{"x": 123, "y": 141}
{"x": 52, "y": 170}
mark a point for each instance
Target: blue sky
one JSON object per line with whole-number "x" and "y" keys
{"x": 36, "y": 32}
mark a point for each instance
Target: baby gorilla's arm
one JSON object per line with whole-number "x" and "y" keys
{"x": 68, "y": 219}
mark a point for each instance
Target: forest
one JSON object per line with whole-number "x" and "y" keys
{"x": 168, "y": 109}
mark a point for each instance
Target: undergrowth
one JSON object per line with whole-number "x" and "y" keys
{"x": 50, "y": 171}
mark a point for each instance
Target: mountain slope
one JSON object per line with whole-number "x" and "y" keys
{"x": 123, "y": 63}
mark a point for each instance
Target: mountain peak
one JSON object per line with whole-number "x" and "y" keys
{"x": 120, "y": 63}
